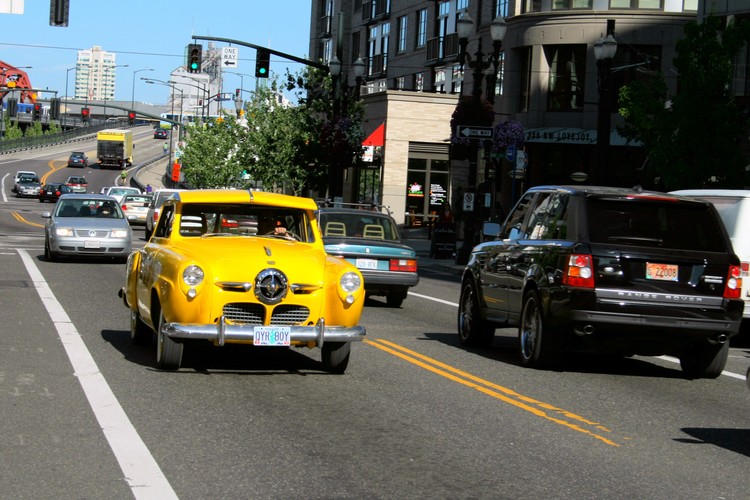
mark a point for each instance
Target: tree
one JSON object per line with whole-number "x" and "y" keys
{"x": 693, "y": 137}
{"x": 210, "y": 154}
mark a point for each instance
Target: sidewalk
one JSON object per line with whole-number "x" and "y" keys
{"x": 416, "y": 238}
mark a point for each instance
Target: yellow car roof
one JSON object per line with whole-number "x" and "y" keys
{"x": 244, "y": 196}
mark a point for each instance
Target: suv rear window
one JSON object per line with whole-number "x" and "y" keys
{"x": 679, "y": 226}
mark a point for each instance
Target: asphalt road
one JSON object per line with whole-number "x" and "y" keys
{"x": 85, "y": 414}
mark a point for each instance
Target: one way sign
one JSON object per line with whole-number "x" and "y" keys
{"x": 229, "y": 57}
{"x": 470, "y": 132}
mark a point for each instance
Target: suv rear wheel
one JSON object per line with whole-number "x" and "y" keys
{"x": 704, "y": 359}
{"x": 539, "y": 347}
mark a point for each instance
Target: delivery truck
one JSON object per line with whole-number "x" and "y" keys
{"x": 114, "y": 148}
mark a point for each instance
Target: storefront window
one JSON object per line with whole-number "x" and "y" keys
{"x": 427, "y": 190}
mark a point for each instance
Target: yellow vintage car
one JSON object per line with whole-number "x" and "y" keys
{"x": 242, "y": 267}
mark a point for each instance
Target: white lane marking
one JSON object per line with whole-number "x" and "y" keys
{"x": 665, "y": 358}
{"x": 141, "y": 471}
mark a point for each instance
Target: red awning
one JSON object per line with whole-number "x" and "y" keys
{"x": 377, "y": 138}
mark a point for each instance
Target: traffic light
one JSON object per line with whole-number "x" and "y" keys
{"x": 13, "y": 107}
{"x": 131, "y": 118}
{"x": 194, "y": 54}
{"x": 37, "y": 112}
{"x": 54, "y": 108}
{"x": 237, "y": 93}
{"x": 85, "y": 114}
{"x": 262, "y": 63}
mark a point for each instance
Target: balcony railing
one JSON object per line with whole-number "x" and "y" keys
{"x": 373, "y": 10}
{"x": 325, "y": 26}
{"x": 442, "y": 49}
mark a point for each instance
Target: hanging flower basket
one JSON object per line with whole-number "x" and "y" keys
{"x": 508, "y": 133}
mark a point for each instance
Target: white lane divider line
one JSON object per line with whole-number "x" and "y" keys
{"x": 141, "y": 471}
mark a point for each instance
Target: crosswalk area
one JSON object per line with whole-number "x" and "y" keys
{"x": 26, "y": 241}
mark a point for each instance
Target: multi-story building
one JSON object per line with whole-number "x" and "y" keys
{"x": 95, "y": 74}
{"x": 545, "y": 76}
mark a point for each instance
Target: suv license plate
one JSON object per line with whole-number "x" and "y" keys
{"x": 271, "y": 335}
{"x": 664, "y": 272}
{"x": 367, "y": 264}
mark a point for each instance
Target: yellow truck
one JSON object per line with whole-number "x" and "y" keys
{"x": 114, "y": 148}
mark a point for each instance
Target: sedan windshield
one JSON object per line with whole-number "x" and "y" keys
{"x": 89, "y": 208}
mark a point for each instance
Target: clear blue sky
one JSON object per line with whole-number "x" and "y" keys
{"x": 151, "y": 34}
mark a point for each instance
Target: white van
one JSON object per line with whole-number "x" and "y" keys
{"x": 160, "y": 197}
{"x": 733, "y": 206}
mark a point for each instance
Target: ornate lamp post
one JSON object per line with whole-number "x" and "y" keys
{"x": 341, "y": 93}
{"x": 604, "y": 51}
{"x": 479, "y": 63}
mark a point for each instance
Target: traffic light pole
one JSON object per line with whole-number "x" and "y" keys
{"x": 307, "y": 62}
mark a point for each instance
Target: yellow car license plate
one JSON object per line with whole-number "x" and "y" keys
{"x": 271, "y": 335}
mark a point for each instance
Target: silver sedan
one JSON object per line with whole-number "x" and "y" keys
{"x": 87, "y": 225}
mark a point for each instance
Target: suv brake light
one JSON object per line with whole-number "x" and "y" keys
{"x": 579, "y": 271}
{"x": 733, "y": 288}
{"x": 403, "y": 265}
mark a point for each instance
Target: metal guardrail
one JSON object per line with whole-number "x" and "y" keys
{"x": 71, "y": 135}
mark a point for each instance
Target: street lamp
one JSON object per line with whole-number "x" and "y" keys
{"x": 67, "y": 96}
{"x": 478, "y": 63}
{"x": 604, "y": 51}
{"x": 132, "y": 98}
{"x": 341, "y": 91}
{"x": 206, "y": 89}
{"x": 106, "y": 71}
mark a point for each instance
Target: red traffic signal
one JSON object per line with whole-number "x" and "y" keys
{"x": 131, "y": 117}
{"x": 237, "y": 92}
{"x": 37, "y": 111}
{"x": 85, "y": 114}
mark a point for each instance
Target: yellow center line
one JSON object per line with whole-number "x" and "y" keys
{"x": 497, "y": 391}
{"x": 20, "y": 218}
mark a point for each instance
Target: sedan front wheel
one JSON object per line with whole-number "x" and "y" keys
{"x": 168, "y": 352}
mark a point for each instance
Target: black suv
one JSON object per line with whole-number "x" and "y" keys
{"x": 607, "y": 270}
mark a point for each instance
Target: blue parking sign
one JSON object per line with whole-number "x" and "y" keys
{"x": 510, "y": 153}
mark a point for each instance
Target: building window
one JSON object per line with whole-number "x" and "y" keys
{"x": 400, "y": 83}
{"x": 401, "y": 42}
{"x": 571, "y": 4}
{"x": 690, "y": 6}
{"x": 427, "y": 188}
{"x": 356, "y": 47}
{"x": 500, "y": 76}
{"x": 462, "y": 5}
{"x": 327, "y": 50}
{"x": 385, "y": 34}
{"x": 419, "y": 82}
{"x": 567, "y": 70}
{"x": 501, "y": 8}
{"x": 457, "y": 79}
{"x": 635, "y": 4}
{"x": 439, "y": 81}
{"x": 524, "y": 57}
{"x": 421, "y": 28}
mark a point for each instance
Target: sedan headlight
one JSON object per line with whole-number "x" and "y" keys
{"x": 192, "y": 275}
{"x": 64, "y": 231}
{"x": 119, "y": 233}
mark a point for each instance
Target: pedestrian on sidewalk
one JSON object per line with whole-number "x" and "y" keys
{"x": 166, "y": 147}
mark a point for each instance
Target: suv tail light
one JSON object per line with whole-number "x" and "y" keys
{"x": 745, "y": 266}
{"x": 733, "y": 288}
{"x": 124, "y": 207}
{"x": 403, "y": 265}
{"x": 579, "y": 271}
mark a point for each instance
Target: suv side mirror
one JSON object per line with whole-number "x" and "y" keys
{"x": 491, "y": 229}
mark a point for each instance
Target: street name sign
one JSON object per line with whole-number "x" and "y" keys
{"x": 471, "y": 132}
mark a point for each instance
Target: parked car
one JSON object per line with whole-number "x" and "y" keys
{"x": 370, "y": 240}
{"x": 135, "y": 207}
{"x": 24, "y": 177}
{"x": 28, "y": 187}
{"x": 52, "y": 191}
{"x": 78, "y": 159}
{"x": 161, "y": 133}
{"x": 160, "y": 196}
{"x": 733, "y": 206}
{"x": 77, "y": 183}
{"x": 208, "y": 277}
{"x": 86, "y": 225}
{"x": 607, "y": 270}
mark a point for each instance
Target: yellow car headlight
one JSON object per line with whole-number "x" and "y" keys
{"x": 64, "y": 231}
{"x": 192, "y": 275}
{"x": 350, "y": 282}
{"x": 119, "y": 233}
